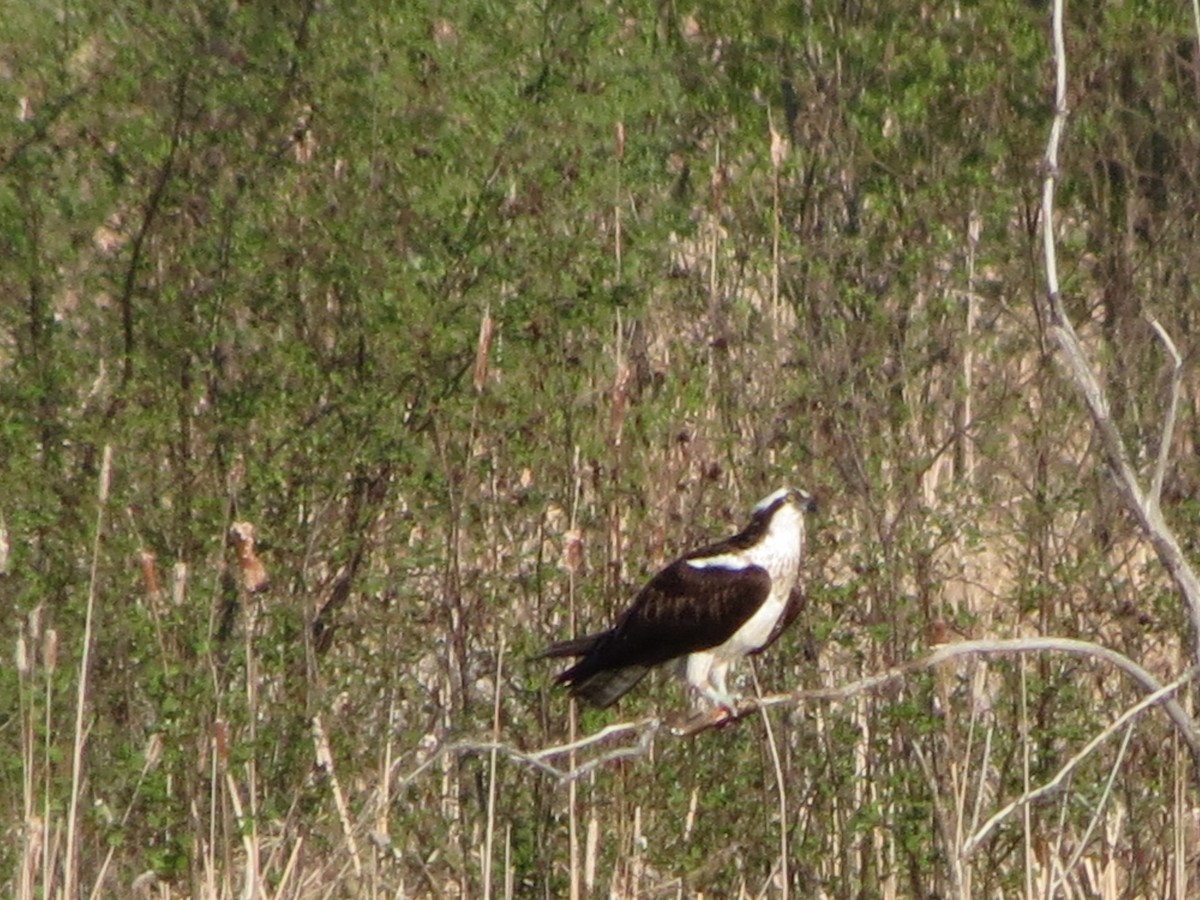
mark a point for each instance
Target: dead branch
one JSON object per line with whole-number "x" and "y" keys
{"x": 1055, "y": 783}
{"x": 1013, "y": 646}
{"x": 640, "y": 734}
{"x": 1168, "y": 433}
{"x": 1144, "y": 505}
{"x": 643, "y": 730}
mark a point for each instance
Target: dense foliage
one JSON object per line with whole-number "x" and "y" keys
{"x": 437, "y": 297}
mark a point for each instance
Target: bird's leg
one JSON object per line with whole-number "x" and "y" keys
{"x": 718, "y": 693}
{"x": 721, "y": 706}
{"x": 706, "y": 678}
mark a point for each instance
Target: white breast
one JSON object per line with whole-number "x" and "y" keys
{"x": 778, "y": 553}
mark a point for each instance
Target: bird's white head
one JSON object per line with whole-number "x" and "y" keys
{"x": 802, "y": 501}
{"x": 780, "y": 516}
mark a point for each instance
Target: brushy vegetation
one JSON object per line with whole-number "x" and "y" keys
{"x": 474, "y": 314}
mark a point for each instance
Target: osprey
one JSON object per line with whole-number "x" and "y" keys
{"x": 713, "y": 606}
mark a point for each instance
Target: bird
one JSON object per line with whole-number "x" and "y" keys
{"x": 709, "y": 608}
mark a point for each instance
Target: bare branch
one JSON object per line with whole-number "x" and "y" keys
{"x": 649, "y": 724}
{"x": 1083, "y": 843}
{"x": 1061, "y": 775}
{"x": 640, "y": 734}
{"x": 1050, "y": 161}
{"x": 1145, "y": 507}
{"x": 643, "y": 729}
{"x": 946, "y": 652}
{"x": 1168, "y": 432}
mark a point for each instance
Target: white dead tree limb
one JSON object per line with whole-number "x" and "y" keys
{"x": 1056, "y": 783}
{"x": 628, "y": 740}
{"x": 641, "y": 733}
{"x": 1143, "y": 503}
{"x": 1011, "y": 647}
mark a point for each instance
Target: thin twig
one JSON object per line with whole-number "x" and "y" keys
{"x": 1050, "y": 160}
{"x": 1030, "y": 796}
{"x": 71, "y": 873}
{"x": 489, "y": 834}
{"x": 325, "y": 763}
{"x": 946, "y": 652}
{"x": 1168, "y": 430}
{"x": 1026, "y": 820}
{"x": 643, "y": 731}
{"x": 781, "y": 788}
{"x": 1145, "y": 508}
{"x": 1082, "y": 844}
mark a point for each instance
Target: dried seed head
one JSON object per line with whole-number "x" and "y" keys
{"x": 154, "y": 748}
{"x": 254, "y": 574}
{"x": 35, "y": 830}
{"x": 220, "y": 735}
{"x": 105, "y": 473}
{"x": 481, "y": 350}
{"x": 573, "y": 551}
{"x": 236, "y": 475}
{"x": 778, "y": 148}
{"x": 179, "y": 585}
{"x": 146, "y": 562}
{"x": 50, "y": 650}
{"x": 144, "y": 884}
{"x": 22, "y": 656}
{"x": 620, "y": 393}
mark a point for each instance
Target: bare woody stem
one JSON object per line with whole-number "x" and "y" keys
{"x": 1145, "y": 505}
{"x": 634, "y": 739}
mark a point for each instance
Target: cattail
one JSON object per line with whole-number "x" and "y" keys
{"x": 778, "y": 148}
{"x": 620, "y": 394}
{"x": 35, "y": 832}
{"x": 105, "y": 473}
{"x": 22, "y": 656}
{"x": 179, "y": 585}
{"x": 481, "y": 350}
{"x": 236, "y": 474}
{"x": 619, "y": 134}
{"x": 50, "y": 651}
{"x": 254, "y": 574}
{"x": 146, "y": 560}
{"x": 144, "y": 884}
{"x": 589, "y": 859}
{"x": 573, "y": 551}
{"x": 154, "y": 749}
{"x": 716, "y": 184}
{"x": 221, "y": 744}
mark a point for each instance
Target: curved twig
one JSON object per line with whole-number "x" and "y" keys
{"x": 1144, "y": 505}
{"x": 643, "y": 731}
{"x": 1061, "y": 775}
{"x": 946, "y": 652}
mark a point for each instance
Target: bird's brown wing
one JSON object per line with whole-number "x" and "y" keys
{"x": 684, "y": 609}
{"x": 681, "y": 610}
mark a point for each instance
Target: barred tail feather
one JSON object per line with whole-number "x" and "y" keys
{"x": 605, "y": 687}
{"x": 586, "y": 680}
{"x": 580, "y": 646}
